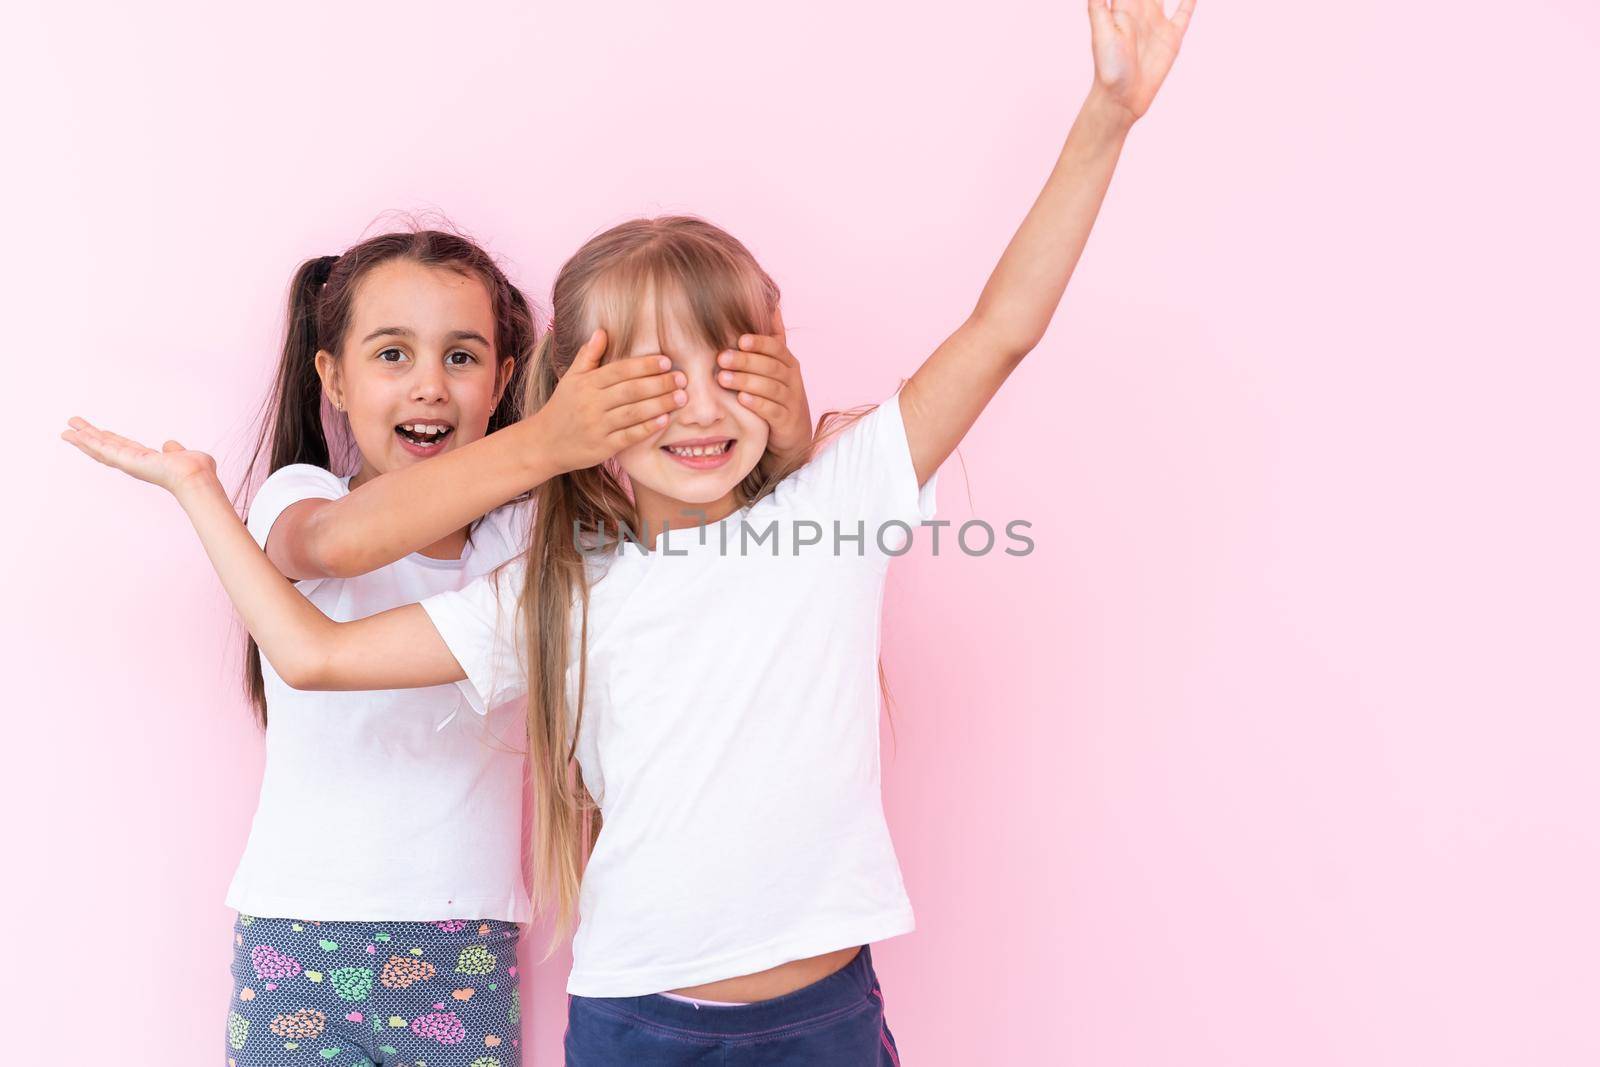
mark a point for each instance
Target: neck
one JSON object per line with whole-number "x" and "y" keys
{"x": 658, "y": 513}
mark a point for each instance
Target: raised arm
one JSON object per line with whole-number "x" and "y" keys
{"x": 593, "y": 414}
{"x": 1134, "y": 44}
{"x": 398, "y": 649}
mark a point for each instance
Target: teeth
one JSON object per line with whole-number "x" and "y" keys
{"x": 699, "y": 450}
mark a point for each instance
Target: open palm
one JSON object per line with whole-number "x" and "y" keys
{"x": 1135, "y": 44}
{"x": 169, "y": 468}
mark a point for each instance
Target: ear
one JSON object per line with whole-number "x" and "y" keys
{"x": 503, "y": 378}
{"x": 328, "y": 371}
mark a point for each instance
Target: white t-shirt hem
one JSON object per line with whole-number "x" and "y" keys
{"x": 323, "y": 908}
{"x": 860, "y": 930}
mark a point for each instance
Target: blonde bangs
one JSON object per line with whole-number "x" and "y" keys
{"x": 709, "y": 294}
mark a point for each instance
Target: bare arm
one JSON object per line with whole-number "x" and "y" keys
{"x": 593, "y": 414}
{"x": 400, "y": 512}
{"x": 1134, "y": 45}
{"x": 398, "y": 649}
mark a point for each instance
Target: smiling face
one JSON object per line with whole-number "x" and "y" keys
{"x": 710, "y": 444}
{"x": 416, "y": 374}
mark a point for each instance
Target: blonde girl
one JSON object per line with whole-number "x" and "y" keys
{"x": 715, "y": 687}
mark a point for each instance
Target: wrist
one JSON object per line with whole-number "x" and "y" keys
{"x": 1106, "y": 113}
{"x": 199, "y": 487}
{"x": 537, "y": 457}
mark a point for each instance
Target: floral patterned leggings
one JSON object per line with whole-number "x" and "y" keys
{"x": 381, "y": 994}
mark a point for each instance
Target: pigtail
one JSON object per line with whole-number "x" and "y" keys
{"x": 291, "y": 424}
{"x": 521, "y": 341}
{"x": 297, "y": 433}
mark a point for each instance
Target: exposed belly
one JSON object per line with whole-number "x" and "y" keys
{"x": 776, "y": 982}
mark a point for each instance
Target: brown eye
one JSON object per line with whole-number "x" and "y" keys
{"x": 391, "y": 355}
{"x": 467, "y": 358}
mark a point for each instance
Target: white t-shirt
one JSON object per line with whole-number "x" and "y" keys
{"x": 385, "y": 805}
{"x": 730, "y": 730}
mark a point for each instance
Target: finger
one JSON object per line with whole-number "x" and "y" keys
{"x": 769, "y": 345}
{"x": 754, "y": 363}
{"x": 88, "y": 435}
{"x": 113, "y": 448}
{"x": 1180, "y": 17}
{"x": 1100, "y": 21}
{"x": 770, "y": 410}
{"x": 777, "y": 325}
{"x": 636, "y": 389}
{"x": 590, "y": 353}
{"x": 647, "y": 410}
{"x": 79, "y": 424}
{"x": 117, "y": 440}
{"x": 758, "y": 384}
{"x": 172, "y": 446}
{"x": 72, "y": 438}
{"x": 88, "y": 446}
{"x": 632, "y": 435}
{"x": 621, "y": 370}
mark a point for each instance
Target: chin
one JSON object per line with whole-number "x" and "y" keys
{"x": 697, "y": 492}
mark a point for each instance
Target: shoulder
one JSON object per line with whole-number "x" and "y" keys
{"x": 286, "y": 486}
{"x": 851, "y": 442}
{"x": 306, "y": 478}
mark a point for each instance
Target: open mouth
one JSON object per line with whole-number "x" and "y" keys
{"x": 702, "y": 456}
{"x": 424, "y": 436}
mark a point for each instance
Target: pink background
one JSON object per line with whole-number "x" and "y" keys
{"x": 1280, "y": 747}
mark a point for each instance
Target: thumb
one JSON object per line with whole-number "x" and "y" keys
{"x": 588, "y": 357}
{"x": 777, "y": 325}
{"x": 172, "y": 446}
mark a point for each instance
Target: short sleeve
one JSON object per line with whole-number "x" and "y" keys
{"x": 501, "y": 535}
{"x": 286, "y": 486}
{"x": 865, "y": 475}
{"x": 482, "y": 627}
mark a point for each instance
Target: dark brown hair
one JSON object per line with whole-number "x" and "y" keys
{"x": 295, "y": 421}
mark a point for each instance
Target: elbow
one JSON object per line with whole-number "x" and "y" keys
{"x": 297, "y": 677}
{"x": 348, "y": 562}
{"x": 303, "y": 669}
{"x": 337, "y": 555}
{"x": 1009, "y": 336}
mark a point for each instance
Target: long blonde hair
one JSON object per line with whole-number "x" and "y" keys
{"x": 718, "y": 292}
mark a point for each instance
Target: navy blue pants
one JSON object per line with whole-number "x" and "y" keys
{"x": 837, "y": 1022}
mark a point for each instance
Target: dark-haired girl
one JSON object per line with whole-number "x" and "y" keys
{"x": 381, "y": 891}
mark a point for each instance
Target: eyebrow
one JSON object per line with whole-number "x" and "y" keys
{"x": 402, "y": 331}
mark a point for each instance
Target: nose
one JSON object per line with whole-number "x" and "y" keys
{"x": 428, "y": 384}
{"x": 704, "y": 407}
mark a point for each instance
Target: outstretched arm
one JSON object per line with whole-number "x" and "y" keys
{"x": 1134, "y": 44}
{"x": 595, "y": 412}
{"x": 398, "y": 649}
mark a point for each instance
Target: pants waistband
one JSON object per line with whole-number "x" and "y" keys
{"x": 839, "y": 992}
